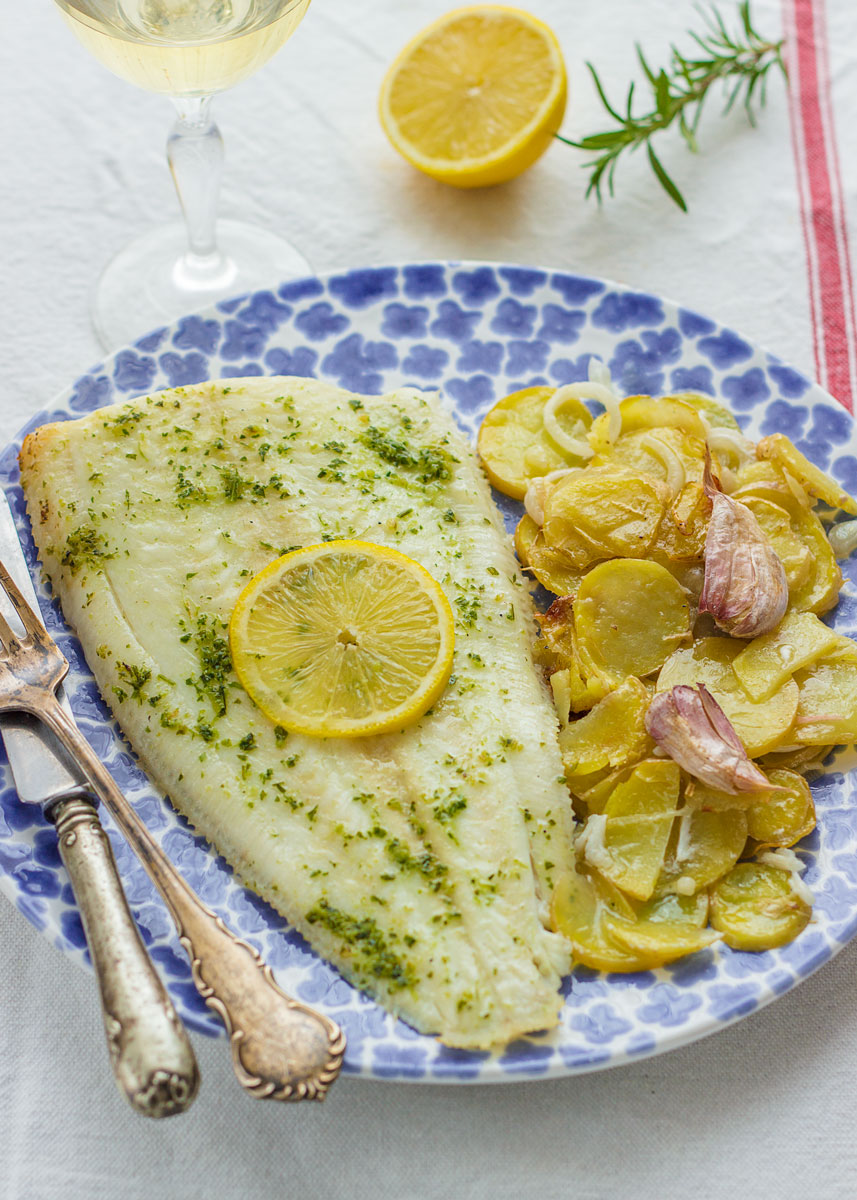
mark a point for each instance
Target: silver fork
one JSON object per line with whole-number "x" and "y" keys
{"x": 281, "y": 1049}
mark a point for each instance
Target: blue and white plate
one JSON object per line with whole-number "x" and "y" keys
{"x": 476, "y": 331}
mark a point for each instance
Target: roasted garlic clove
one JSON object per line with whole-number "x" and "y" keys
{"x": 691, "y": 727}
{"x": 745, "y": 588}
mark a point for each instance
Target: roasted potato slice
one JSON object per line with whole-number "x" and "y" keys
{"x": 655, "y": 943}
{"x": 676, "y": 910}
{"x": 804, "y": 760}
{"x": 581, "y": 682}
{"x": 596, "y": 789}
{"x": 645, "y": 412}
{"x": 612, "y": 514}
{"x": 613, "y": 734}
{"x": 780, "y": 529}
{"x": 681, "y": 536}
{"x": 786, "y": 816}
{"x": 827, "y": 704}
{"x": 768, "y": 481}
{"x": 765, "y": 664}
{"x": 821, "y": 591}
{"x": 639, "y": 818}
{"x": 812, "y": 479}
{"x": 606, "y": 934}
{"x": 702, "y": 847}
{"x": 553, "y": 568}
{"x": 585, "y": 908}
{"x": 629, "y": 616}
{"x": 715, "y": 414}
{"x": 514, "y": 445}
{"x": 799, "y": 541}
{"x": 526, "y": 532}
{"x": 755, "y": 907}
{"x": 761, "y": 725}
{"x": 648, "y": 452}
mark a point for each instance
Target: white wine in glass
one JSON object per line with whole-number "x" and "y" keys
{"x": 189, "y": 50}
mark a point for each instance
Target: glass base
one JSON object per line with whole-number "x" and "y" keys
{"x": 154, "y": 281}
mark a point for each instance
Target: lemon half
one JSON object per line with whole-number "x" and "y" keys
{"x": 343, "y": 639}
{"x": 477, "y": 96}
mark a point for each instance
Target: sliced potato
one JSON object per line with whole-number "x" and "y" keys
{"x": 767, "y": 662}
{"x": 702, "y": 847}
{"x": 827, "y": 706}
{"x": 584, "y": 683}
{"x": 691, "y": 576}
{"x": 804, "y": 760}
{"x": 629, "y": 616}
{"x": 766, "y": 479}
{"x": 614, "y": 515}
{"x": 799, "y": 541}
{"x": 786, "y": 816}
{"x": 708, "y": 799}
{"x": 557, "y": 626}
{"x": 821, "y": 591}
{"x": 526, "y": 532}
{"x": 640, "y": 815}
{"x": 781, "y": 530}
{"x": 756, "y": 908}
{"x": 595, "y": 790}
{"x": 676, "y": 910}
{"x": 639, "y": 453}
{"x": 761, "y": 725}
{"x": 659, "y": 942}
{"x": 715, "y": 414}
{"x": 585, "y": 909}
{"x": 553, "y": 568}
{"x": 514, "y": 445}
{"x": 644, "y": 412}
{"x": 606, "y": 934}
{"x": 611, "y": 735}
{"x": 681, "y": 536}
{"x": 816, "y": 482}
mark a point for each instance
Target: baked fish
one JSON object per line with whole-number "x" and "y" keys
{"x": 420, "y": 863}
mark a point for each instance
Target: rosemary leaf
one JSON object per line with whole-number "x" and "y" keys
{"x": 741, "y": 61}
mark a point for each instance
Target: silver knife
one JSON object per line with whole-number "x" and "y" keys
{"x": 150, "y": 1052}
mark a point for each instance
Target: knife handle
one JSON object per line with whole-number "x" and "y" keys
{"x": 150, "y": 1052}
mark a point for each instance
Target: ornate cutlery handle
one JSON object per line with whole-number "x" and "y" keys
{"x": 281, "y": 1049}
{"x": 152, "y": 1058}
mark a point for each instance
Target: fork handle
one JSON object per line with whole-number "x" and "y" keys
{"x": 150, "y": 1052}
{"x": 281, "y": 1049}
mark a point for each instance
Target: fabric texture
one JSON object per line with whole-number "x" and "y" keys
{"x": 765, "y": 1108}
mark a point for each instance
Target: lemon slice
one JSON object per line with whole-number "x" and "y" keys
{"x": 344, "y": 639}
{"x": 476, "y": 97}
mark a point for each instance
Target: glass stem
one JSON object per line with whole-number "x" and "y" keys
{"x": 195, "y": 155}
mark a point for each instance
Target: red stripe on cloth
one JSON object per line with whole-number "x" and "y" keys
{"x": 822, "y": 205}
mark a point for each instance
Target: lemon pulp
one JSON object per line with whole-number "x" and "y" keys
{"x": 343, "y": 639}
{"x": 476, "y": 97}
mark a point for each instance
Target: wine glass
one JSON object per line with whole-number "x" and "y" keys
{"x": 188, "y": 50}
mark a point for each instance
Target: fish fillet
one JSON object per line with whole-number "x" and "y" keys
{"x": 419, "y": 863}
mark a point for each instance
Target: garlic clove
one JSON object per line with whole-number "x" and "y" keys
{"x": 691, "y": 727}
{"x": 745, "y": 588}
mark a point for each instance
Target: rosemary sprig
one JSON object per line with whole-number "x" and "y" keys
{"x": 742, "y": 60}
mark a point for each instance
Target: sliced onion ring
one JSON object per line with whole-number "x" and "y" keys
{"x": 534, "y": 500}
{"x": 674, "y": 467}
{"x": 730, "y": 439}
{"x": 580, "y": 391}
{"x": 843, "y": 538}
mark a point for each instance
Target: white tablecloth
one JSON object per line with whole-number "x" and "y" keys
{"x": 766, "y": 1108}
